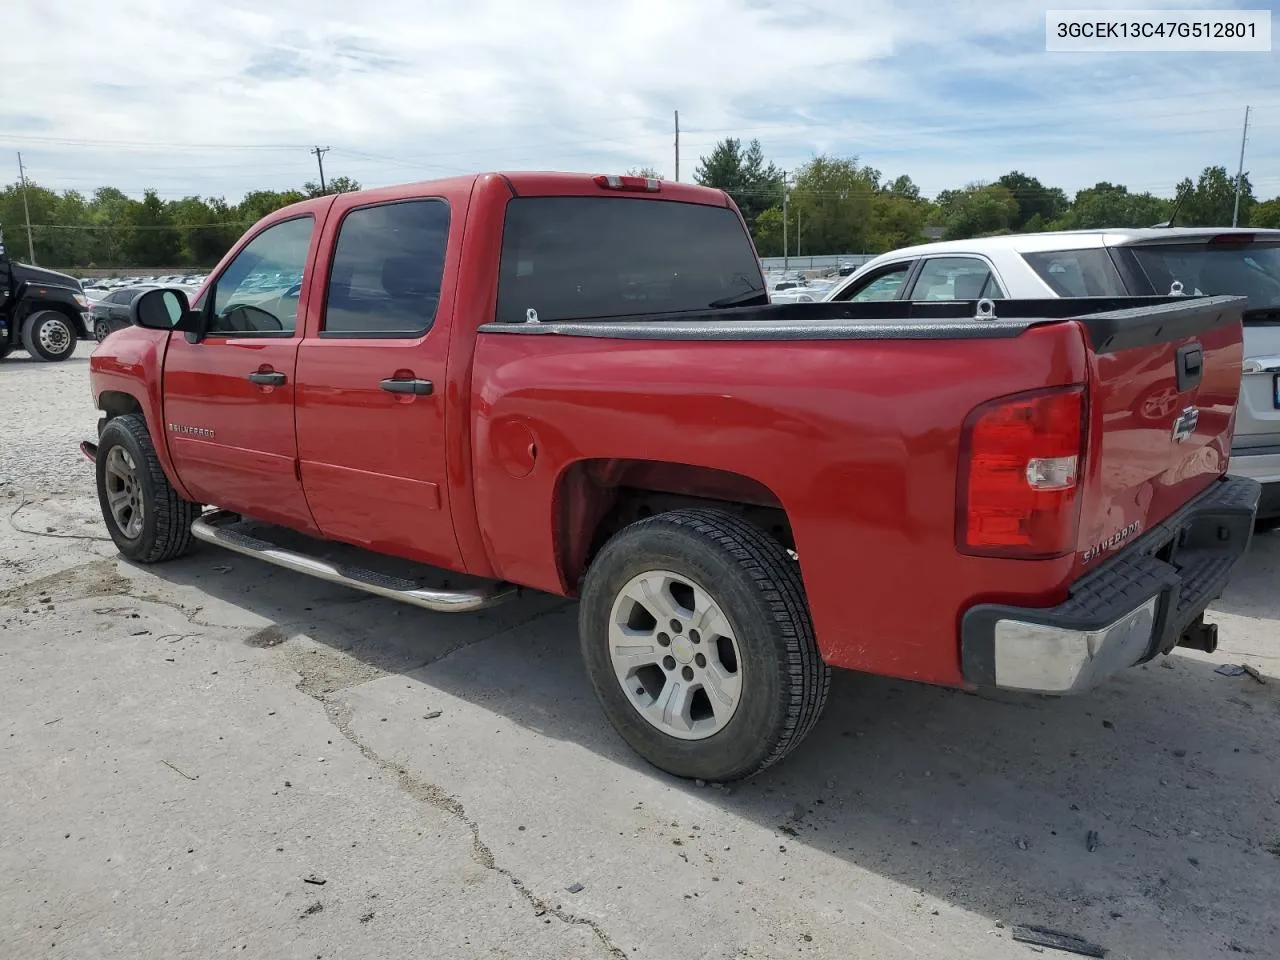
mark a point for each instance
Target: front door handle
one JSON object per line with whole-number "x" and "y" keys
{"x": 420, "y": 388}
{"x": 264, "y": 378}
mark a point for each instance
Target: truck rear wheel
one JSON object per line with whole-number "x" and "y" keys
{"x": 698, "y": 642}
{"x": 144, "y": 514}
{"x": 50, "y": 336}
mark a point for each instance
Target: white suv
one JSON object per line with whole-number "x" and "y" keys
{"x": 1118, "y": 262}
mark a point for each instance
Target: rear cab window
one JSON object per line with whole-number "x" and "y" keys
{"x": 577, "y": 258}
{"x": 1232, "y": 265}
{"x": 1078, "y": 273}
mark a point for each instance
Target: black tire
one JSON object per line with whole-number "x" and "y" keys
{"x": 166, "y": 516}
{"x": 5, "y": 351}
{"x": 758, "y": 588}
{"x": 1266, "y": 524}
{"x": 101, "y": 329}
{"x": 50, "y": 336}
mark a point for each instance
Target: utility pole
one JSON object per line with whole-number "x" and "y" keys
{"x": 677, "y": 146}
{"x": 22, "y": 179}
{"x": 320, "y": 152}
{"x": 785, "y": 262}
{"x": 1235, "y": 214}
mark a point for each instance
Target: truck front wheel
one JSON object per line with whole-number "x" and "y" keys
{"x": 50, "y": 336}
{"x": 698, "y": 642}
{"x": 144, "y": 514}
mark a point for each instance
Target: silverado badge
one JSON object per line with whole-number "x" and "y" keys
{"x": 191, "y": 431}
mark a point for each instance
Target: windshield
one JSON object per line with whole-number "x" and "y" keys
{"x": 572, "y": 258}
{"x": 1211, "y": 268}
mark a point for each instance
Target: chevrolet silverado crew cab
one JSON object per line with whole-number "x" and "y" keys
{"x": 452, "y": 391}
{"x": 1092, "y": 263}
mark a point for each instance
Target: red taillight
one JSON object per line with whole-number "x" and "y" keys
{"x": 640, "y": 184}
{"x": 1020, "y": 461}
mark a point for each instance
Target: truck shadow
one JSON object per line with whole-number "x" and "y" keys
{"x": 1144, "y": 816}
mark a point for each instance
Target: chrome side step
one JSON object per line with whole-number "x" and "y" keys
{"x": 214, "y": 527}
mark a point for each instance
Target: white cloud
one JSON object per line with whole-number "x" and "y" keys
{"x": 219, "y": 99}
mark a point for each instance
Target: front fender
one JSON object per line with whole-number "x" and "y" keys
{"x": 126, "y": 376}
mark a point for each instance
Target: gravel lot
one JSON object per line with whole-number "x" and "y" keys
{"x": 217, "y": 758}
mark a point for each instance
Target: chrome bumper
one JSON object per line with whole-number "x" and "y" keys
{"x": 1142, "y": 602}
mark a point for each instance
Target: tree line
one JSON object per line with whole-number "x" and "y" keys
{"x": 838, "y": 205}
{"x": 828, "y": 205}
{"x": 109, "y": 229}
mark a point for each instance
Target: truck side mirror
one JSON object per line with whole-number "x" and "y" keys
{"x": 164, "y": 309}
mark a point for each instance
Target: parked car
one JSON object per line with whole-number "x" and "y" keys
{"x": 41, "y": 311}
{"x": 1106, "y": 263}
{"x": 112, "y": 312}
{"x": 742, "y": 495}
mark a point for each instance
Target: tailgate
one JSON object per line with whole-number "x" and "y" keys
{"x": 1164, "y": 382}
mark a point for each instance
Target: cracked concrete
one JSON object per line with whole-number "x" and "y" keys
{"x": 184, "y": 747}
{"x": 340, "y": 715}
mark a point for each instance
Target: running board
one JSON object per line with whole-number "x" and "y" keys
{"x": 215, "y": 527}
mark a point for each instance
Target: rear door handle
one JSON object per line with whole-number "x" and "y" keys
{"x": 267, "y": 379}
{"x": 420, "y": 388}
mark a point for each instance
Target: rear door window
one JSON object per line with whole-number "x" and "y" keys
{"x": 955, "y": 278}
{"x": 573, "y": 258}
{"x": 388, "y": 267}
{"x": 1078, "y": 273}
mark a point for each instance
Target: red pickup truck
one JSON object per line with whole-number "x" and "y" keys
{"x": 577, "y": 385}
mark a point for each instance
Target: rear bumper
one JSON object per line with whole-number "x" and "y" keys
{"x": 1138, "y": 604}
{"x": 1261, "y": 464}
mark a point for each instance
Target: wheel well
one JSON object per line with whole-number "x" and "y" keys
{"x": 115, "y": 403}
{"x": 597, "y": 498}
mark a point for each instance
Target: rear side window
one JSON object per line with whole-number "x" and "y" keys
{"x": 1078, "y": 273}
{"x": 573, "y": 258}
{"x": 388, "y": 265}
{"x": 1215, "y": 267}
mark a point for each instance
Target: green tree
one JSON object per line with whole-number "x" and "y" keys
{"x": 976, "y": 211}
{"x": 767, "y": 231}
{"x": 1266, "y": 215}
{"x": 831, "y": 205}
{"x": 153, "y": 240}
{"x": 896, "y": 221}
{"x": 1112, "y": 205}
{"x": 332, "y": 185}
{"x": 258, "y": 203}
{"x": 647, "y": 172}
{"x": 754, "y": 184}
{"x": 1211, "y": 200}
{"x": 207, "y": 227}
{"x": 1034, "y": 199}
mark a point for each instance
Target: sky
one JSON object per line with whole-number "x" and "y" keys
{"x": 218, "y": 99}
